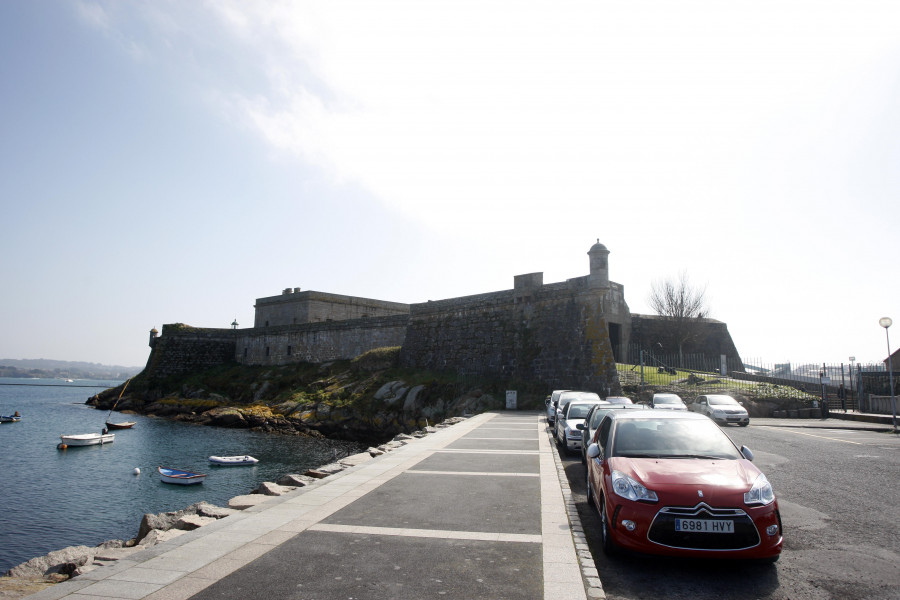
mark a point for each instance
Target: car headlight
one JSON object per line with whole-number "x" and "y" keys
{"x": 719, "y": 413}
{"x": 573, "y": 433}
{"x": 628, "y": 488}
{"x": 761, "y": 492}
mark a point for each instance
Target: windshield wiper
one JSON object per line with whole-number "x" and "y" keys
{"x": 709, "y": 456}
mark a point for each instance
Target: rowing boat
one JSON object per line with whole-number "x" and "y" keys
{"x": 179, "y": 477}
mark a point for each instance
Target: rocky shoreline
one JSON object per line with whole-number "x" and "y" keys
{"x": 60, "y": 565}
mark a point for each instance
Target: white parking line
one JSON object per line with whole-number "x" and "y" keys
{"x": 824, "y": 437}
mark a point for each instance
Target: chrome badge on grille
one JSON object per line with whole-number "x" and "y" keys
{"x": 700, "y": 493}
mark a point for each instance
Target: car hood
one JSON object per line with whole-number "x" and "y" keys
{"x": 687, "y": 476}
{"x": 573, "y": 423}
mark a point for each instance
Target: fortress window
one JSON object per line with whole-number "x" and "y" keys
{"x": 245, "y": 352}
{"x": 267, "y": 350}
{"x": 289, "y": 350}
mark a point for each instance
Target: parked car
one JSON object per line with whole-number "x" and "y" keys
{"x": 673, "y": 483}
{"x": 568, "y": 434}
{"x": 562, "y": 404}
{"x": 592, "y": 421}
{"x": 619, "y": 400}
{"x": 667, "y": 402}
{"x": 551, "y": 407}
{"x": 722, "y": 409}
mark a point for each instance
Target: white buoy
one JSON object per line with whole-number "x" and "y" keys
{"x": 137, "y": 471}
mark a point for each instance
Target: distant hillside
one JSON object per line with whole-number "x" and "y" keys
{"x": 46, "y": 368}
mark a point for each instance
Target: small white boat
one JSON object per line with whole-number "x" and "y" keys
{"x": 10, "y": 418}
{"x": 180, "y": 477}
{"x": 233, "y": 460}
{"x": 88, "y": 439}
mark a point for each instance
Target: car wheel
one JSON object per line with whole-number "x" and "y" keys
{"x": 745, "y": 424}
{"x": 609, "y": 546}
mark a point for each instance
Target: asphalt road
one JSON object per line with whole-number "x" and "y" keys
{"x": 839, "y": 495}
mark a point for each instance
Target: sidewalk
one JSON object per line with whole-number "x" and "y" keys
{"x": 476, "y": 510}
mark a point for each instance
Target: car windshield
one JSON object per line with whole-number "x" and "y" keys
{"x": 578, "y": 411}
{"x": 667, "y": 400}
{"x": 722, "y": 401}
{"x": 669, "y": 438}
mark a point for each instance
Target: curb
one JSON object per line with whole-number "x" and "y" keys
{"x": 590, "y": 577}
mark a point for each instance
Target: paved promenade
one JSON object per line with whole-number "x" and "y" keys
{"x": 475, "y": 510}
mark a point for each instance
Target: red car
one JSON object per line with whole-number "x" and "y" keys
{"x": 674, "y": 483}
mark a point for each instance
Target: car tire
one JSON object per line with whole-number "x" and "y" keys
{"x": 745, "y": 424}
{"x": 608, "y": 545}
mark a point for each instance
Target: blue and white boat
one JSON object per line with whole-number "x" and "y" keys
{"x": 180, "y": 477}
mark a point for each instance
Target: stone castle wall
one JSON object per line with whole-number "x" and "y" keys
{"x": 182, "y": 349}
{"x": 556, "y": 335}
{"x": 294, "y": 307}
{"x": 318, "y": 342}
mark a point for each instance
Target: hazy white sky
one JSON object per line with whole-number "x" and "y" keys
{"x": 173, "y": 161}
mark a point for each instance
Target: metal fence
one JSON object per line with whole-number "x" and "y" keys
{"x": 839, "y": 386}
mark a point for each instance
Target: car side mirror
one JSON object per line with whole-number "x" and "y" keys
{"x": 579, "y": 426}
{"x": 746, "y": 452}
{"x": 593, "y": 451}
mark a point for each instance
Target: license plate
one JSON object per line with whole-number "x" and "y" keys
{"x": 704, "y": 526}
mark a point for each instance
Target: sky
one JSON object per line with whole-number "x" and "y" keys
{"x": 173, "y": 161}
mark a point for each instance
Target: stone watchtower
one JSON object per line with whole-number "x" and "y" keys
{"x": 599, "y": 258}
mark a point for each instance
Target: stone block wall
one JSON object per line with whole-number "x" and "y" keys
{"x": 318, "y": 342}
{"x": 294, "y": 307}
{"x": 182, "y": 349}
{"x": 556, "y": 335}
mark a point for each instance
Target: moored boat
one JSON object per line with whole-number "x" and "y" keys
{"x": 233, "y": 460}
{"x": 122, "y": 425}
{"x": 88, "y": 439}
{"x": 179, "y": 477}
{"x": 10, "y": 418}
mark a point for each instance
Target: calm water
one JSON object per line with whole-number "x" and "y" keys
{"x": 50, "y": 498}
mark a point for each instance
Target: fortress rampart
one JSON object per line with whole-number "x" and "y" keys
{"x": 563, "y": 335}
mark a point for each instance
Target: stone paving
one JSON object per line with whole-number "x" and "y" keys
{"x": 481, "y": 509}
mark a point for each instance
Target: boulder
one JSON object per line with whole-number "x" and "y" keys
{"x": 248, "y": 501}
{"x": 191, "y": 522}
{"x": 410, "y": 404}
{"x": 373, "y": 452}
{"x": 268, "y": 488}
{"x": 205, "y": 509}
{"x": 355, "y": 459}
{"x": 159, "y": 521}
{"x": 158, "y": 536}
{"x": 295, "y": 480}
{"x": 53, "y": 562}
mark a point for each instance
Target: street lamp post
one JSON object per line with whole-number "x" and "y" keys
{"x": 887, "y": 322}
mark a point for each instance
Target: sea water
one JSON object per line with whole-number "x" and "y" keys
{"x": 51, "y": 498}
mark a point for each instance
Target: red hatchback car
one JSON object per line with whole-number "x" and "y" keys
{"x": 674, "y": 483}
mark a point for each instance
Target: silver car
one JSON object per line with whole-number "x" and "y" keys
{"x": 722, "y": 409}
{"x": 568, "y": 434}
{"x": 552, "y": 405}
{"x": 667, "y": 401}
{"x": 565, "y": 397}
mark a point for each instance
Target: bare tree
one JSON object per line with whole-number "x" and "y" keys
{"x": 681, "y": 306}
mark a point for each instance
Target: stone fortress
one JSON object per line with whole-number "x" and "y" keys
{"x": 563, "y": 335}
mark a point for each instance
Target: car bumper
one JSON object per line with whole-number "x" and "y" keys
{"x": 654, "y": 533}
{"x": 735, "y": 420}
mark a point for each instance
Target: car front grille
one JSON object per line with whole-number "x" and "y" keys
{"x": 662, "y": 530}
